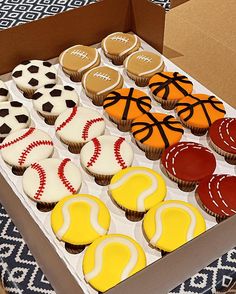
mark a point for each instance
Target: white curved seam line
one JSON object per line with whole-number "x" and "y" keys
{"x": 130, "y": 48}
{"x": 152, "y": 70}
{"x": 112, "y": 86}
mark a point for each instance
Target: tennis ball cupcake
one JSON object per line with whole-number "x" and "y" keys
{"x": 118, "y": 46}
{"x": 79, "y": 125}
{"x": 110, "y": 260}
{"x": 171, "y": 224}
{"x": 78, "y": 220}
{"x": 4, "y": 92}
{"x": 77, "y": 60}
{"x": 124, "y": 105}
{"x": 154, "y": 132}
{"x": 136, "y": 190}
{"x": 198, "y": 112}
{"x": 168, "y": 88}
{"x": 142, "y": 65}
{"x": 222, "y": 138}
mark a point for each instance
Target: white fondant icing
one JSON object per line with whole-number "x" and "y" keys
{"x": 3, "y": 96}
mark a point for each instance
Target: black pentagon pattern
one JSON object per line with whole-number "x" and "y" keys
{"x": 3, "y": 92}
{"x": 55, "y": 93}
{"x": 47, "y": 107}
{"x": 25, "y": 62}
{"x": 16, "y": 104}
{"x": 50, "y": 75}
{"x": 4, "y": 112}
{"x": 49, "y": 86}
{"x": 33, "y": 82}
{"x": 33, "y": 69}
{"x": 37, "y": 95}
{"x": 22, "y": 118}
{"x": 17, "y": 74}
{"x": 47, "y": 64}
{"x": 5, "y": 129}
{"x": 70, "y": 103}
{"x": 68, "y": 88}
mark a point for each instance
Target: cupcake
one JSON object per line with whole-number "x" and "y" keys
{"x": 79, "y": 125}
{"x": 217, "y": 196}
{"x": 197, "y": 112}
{"x": 4, "y": 92}
{"x": 77, "y": 60}
{"x": 48, "y": 181}
{"x": 118, "y": 46}
{"x": 142, "y": 65}
{"x": 110, "y": 260}
{"x": 222, "y": 138}
{"x": 171, "y": 224}
{"x": 168, "y": 88}
{"x": 100, "y": 81}
{"x": 24, "y": 147}
{"x": 51, "y": 100}
{"x": 154, "y": 132}
{"x": 104, "y": 156}
{"x": 187, "y": 163}
{"x": 136, "y": 190}
{"x": 13, "y": 116}
{"x": 79, "y": 220}
{"x": 31, "y": 75}
{"x": 124, "y": 105}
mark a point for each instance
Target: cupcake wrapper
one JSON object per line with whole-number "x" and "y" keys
{"x": 166, "y": 104}
{"x": 49, "y": 119}
{"x": 230, "y": 158}
{"x": 18, "y": 171}
{"x": 122, "y": 125}
{"x": 75, "y": 249}
{"x": 151, "y": 153}
{"x": 45, "y": 207}
{"x": 28, "y": 93}
{"x": 101, "y": 180}
{"x": 73, "y": 147}
{"x": 195, "y": 131}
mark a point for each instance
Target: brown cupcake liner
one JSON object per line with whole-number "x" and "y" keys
{"x": 45, "y": 207}
{"x": 229, "y": 157}
{"x": 28, "y": 93}
{"x": 74, "y": 249}
{"x": 101, "y": 180}
{"x": 166, "y": 104}
{"x": 18, "y": 171}
{"x": 151, "y": 153}
{"x": 194, "y": 130}
{"x": 122, "y": 125}
{"x": 49, "y": 119}
{"x": 73, "y": 147}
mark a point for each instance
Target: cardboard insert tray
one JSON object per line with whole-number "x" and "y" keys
{"x": 58, "y": 33}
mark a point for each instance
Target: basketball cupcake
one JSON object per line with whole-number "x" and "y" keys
{"x": 168, "y": 88}
{"x": 124, "y": 105}
{"x": 154, "y": 132}
{"x": 78, "y": 220}
{"x": 198, "y": 112}
{"x": 222, "y": 138}
{"x": 187, "y": 163}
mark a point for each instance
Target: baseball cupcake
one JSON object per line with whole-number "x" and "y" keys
{"x": 24, "y": 147}
{"x": 100, "y": 81}
{"x": 187, "y": 163}
{"x": 171, "y": 224}
{"x": 79, "y": 220}
{"x": 79, "y": 125}
{"x": 118, "y": 46}
{"x": 222, "y": 138}
{"x": 142, "y": 65}
{"x": 51, "y": 100}
{"x": 124, "y": 105}
{"x": 48, "y": 181}
{"x": 104, "y": 156}
{"x": 4, "y": 92}
{"x": 198, "y": 112}
{"x": 154, "y": 132}
{"x": 31, "y": 75}
{"x": 110, "y": 260}
{"x": 136, "y": 190}
{"x": 77, "y": 60}
{"x": 168, "y": 88}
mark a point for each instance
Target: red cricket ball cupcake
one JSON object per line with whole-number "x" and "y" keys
{"x": 187, "y": 163}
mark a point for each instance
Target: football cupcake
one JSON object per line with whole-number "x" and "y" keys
{"x": 4, "y": 92}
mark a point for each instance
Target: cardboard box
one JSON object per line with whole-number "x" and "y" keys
{"x": 45, "y": 39}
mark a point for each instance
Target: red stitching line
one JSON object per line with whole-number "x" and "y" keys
{"x": 87, "y": 126}
{"x": 42, "y": 180}
{"x": 69, "y": 119}
{"x": 26, "y": 134}
{"x": 31, "y": 146}
{"x": 118, "y": 156}
{"x": 97, "y": 152}
{"x": 61, "y": 174}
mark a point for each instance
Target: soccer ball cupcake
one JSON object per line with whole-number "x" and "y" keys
{"x": 4, "y": 92}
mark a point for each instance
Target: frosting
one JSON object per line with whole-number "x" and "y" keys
{"x": 80, "y": 219}
{"x": 223, "y": 134}
{"x": 51, "y": 179}
{"x": 51, "y": 100}
{"x": 157, "y": 130}
{"x": 200, "y": 110}
{"x": 79, "y": 125}
{"x": 143, "y": 63}
{"x": 4, "y": 92}
{"x": 217, "y": 194}
{"x": 102, "y": 79}
{"x": 112, "y": 259}
{"x": 106, "y": 155}
{"x": 187, "y": 161}
{"x": 170, "y": 85}
{"x": 127, "y": 103}
{"x": 24, "y": 147}
{"x": 172, "y": 223}
{"x": 137, "y": 188}
{"x": 34, "y": 74}
{"x": 79, "y": 58}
